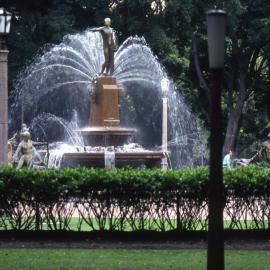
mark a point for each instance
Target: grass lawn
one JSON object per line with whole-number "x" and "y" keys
{"x": 125, "y": 259}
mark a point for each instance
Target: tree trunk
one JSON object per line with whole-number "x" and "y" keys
{"x": 230, "y": 80}
{"x": 203, "y": 85}
{"x": 235, "y": 115}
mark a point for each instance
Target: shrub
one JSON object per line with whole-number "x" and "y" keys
{"x": 129, "y": 199}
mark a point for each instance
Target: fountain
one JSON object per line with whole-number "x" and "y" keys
{"x": 87, "y": 117}
{"x": 105, "y": 131}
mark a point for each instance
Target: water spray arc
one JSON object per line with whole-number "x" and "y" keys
{"x": 60, "y": 80}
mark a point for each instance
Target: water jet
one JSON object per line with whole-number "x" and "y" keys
{"x": 64, "y": 80}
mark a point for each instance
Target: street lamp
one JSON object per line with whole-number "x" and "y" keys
{"x": 216, "y": 24}
{"x": 5, "y": 21}
{"x": 165, "y": 84}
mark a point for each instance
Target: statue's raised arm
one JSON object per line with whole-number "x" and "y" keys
{"x": 96, "y": 29}
{"x": 109, "y": 46}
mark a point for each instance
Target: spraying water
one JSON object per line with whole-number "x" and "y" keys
{"x": 59, "y": 83}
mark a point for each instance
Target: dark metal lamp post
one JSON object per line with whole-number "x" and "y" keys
{"x": 5, "y": 22}
{"x": 216, "y": 24}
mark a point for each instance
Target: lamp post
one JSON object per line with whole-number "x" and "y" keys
{"x": 5, "y": 21}
{"x": 216, "y": 22}
{"x": 164, "y": 83}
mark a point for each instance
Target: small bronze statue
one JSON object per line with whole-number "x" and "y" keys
{"x": 266, "y": 147}
{"x": 109, "y": 46}
{"x": 25, "y": 148}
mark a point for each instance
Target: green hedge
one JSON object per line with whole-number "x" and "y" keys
{"x": 128, "y": 199}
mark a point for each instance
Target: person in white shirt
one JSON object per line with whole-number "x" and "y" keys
{"x": 227, "y": 162}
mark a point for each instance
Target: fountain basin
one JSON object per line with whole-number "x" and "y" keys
{"x": 106, "y": 136}
{"x": 148, "y": 159}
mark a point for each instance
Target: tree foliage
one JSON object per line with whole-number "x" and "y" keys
{"x": 246, "y": 74}
{"x": 176, "y": 32}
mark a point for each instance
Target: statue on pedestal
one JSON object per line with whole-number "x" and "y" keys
{"x": 109, "y": 46}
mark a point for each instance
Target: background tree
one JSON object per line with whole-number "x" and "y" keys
{"x": 175, "y": 30}
{"x": 246, "y": 76}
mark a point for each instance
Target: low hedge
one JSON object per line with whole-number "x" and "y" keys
{"x": 128, "y": 199}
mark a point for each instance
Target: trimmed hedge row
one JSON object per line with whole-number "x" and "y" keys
{"x": 128, "y": 199}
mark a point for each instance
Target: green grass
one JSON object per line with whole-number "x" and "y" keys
{"x": 124, "y": 259}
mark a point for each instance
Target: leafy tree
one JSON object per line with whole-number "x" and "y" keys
{"x": 37, "y": 22}
{"x": 246, "y": 66}
{"x": 176, "y": 32}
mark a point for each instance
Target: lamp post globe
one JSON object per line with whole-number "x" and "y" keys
{"x": 5, "y": 23}
{"x": 165, "y": 84}
{"x": 216, "y": 25}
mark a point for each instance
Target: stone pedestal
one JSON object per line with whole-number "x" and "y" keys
{"x": 3, "y": 107}
{"x": 104, "y": 120}
{"x": 105, "y": 103}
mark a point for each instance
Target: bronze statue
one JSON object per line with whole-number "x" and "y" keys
{"x": 109, "y": 46}
{"x": 266, "y": 146}
{"x": 25, "y": 148}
